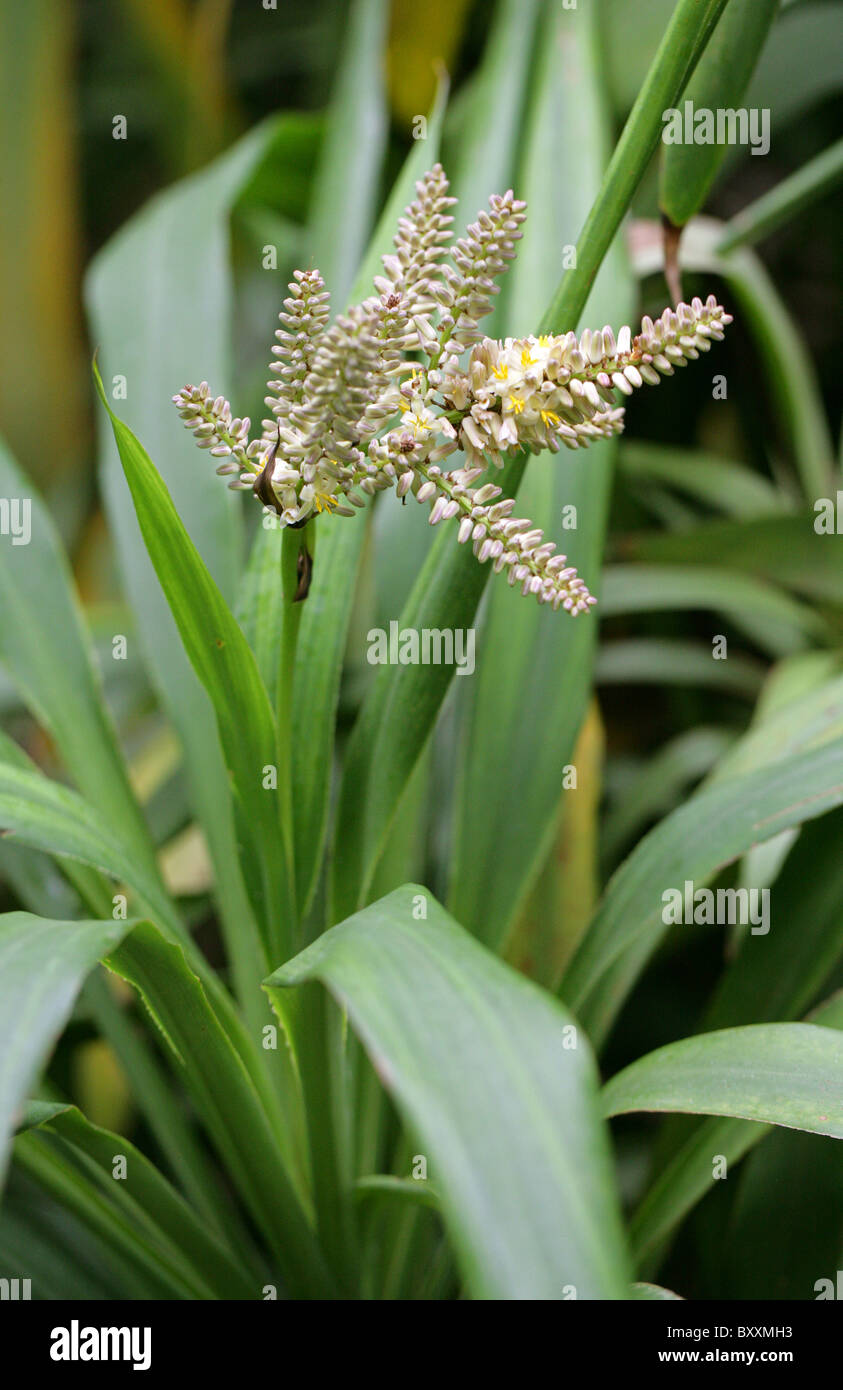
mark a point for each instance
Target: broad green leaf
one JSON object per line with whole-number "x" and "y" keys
{"x": 56, "y": 820}
{"x": 509, "y": 1129}
{"x": 685, "y": 1171}
{"x": 775, "y": 621}
{"x": 153, "y": 1273}
{"x": 153, "y": 1208}
{"x": 43, "y": 965}
{"x": 43, "y": 632}
{"x": 807, "y": 721}
{"x": 718, "y": 83}
{"x": 778, "y": 1073}
{"x": 259, "y": 605}
{"x": 698, "y": 839}
{"x": 226, "y": 666}
{"x": 246, "y": 1129}
{"x": 37, "y": 881}
{"x": 505, "y": 814}
{"x": 483, "y": 150}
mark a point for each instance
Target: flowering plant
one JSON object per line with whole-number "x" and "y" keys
{"x": 382, "y": 397}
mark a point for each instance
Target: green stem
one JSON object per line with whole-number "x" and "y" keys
{"x": 297, "y": 549}
{"x": 679, "y": 52}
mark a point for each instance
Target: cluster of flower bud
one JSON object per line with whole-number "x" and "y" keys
{"x": 381, "y": 398}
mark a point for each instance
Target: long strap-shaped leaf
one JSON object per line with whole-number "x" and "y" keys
{"x": 55, "y": 819}
{"x": 229, "y": 1103}
{"x": 779, "y": 1073}
{"x": 43, "y": 965}
{"x": 142, "y": 1195}
{"x": 773, "y": 979}
{"x": 160, "y": 299}
{"x": 509, "y": 1127}
{"x": 226, "y": 666}
{"x": 42, "y": 632}
{"x": 710, "y": 830}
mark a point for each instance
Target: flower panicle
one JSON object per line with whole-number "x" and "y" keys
{"x": 384, "y": 395}
{"x": 210, "y": 420}
{"x": 512, "y": 543}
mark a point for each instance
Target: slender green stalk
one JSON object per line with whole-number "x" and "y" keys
{"x": 783, "y": 202}
{"x": 297, "y": 550}
{"x": 680, "y": 50}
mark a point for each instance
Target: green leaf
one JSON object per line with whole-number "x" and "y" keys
{"x": 509, "y": 1129}
{"x": 721, "y": 483}
{"x": 43, "y": 631}
{"x": 777, "y": 976}
{"x": 687, "y": 34}
{"x": 658, "y": 785}
{"x": 709, "y": 831}
{"x": 42, "y": 968}
{"x": 153, "y": 1208}
{"x": 55, "y": 819}
{"x": 777, "y": 1073}
{"x": 259, "y": 606}
{"x": 486, "y": 144}
{"x": 794, "y": 392}
{"x": 653, "y": 1293}
{"x": 719, "y": 82}
{"x": 247, "y": 1130}
{"x": 167, "y": 275}
{"x": 784, "y": 550}
{"x": 666, "y": 661}
{"x": 345, "y": 186}
{"x": 226, "y": 666}
{"x": 775, "y": 621}
{"x": 800, "y": 1178}
{"x": 685, "y": 1169}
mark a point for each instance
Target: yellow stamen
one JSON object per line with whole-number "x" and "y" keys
{"x": 324, "y": 502}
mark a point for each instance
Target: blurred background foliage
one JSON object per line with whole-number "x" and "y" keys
{"x": 709, "y": 493}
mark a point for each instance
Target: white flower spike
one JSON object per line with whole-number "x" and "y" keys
{"x": 385, "y": 394}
